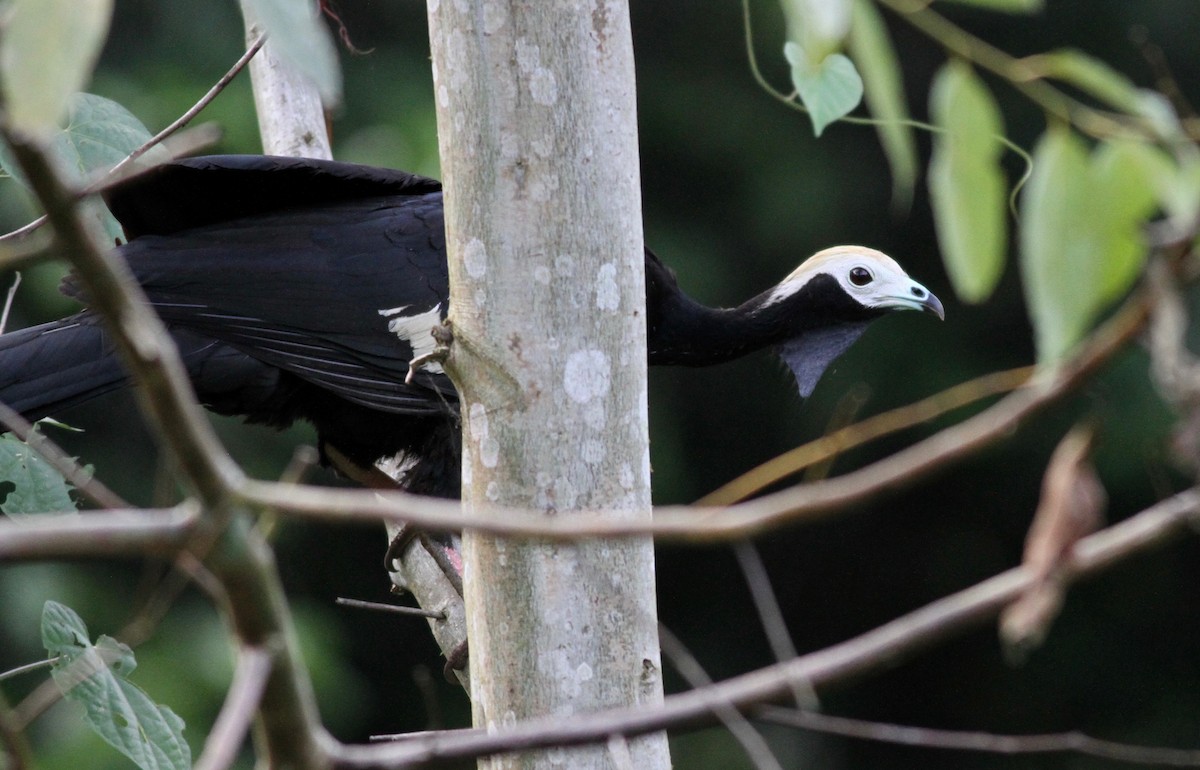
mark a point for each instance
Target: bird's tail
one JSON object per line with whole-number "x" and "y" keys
{"x": 46, "y": 369}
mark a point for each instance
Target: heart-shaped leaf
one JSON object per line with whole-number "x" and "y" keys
{"x": 829, "y": 90}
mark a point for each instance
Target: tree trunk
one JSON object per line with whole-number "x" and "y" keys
{"x": 538, "y": 139}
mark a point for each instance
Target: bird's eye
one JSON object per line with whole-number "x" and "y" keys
{"x": 860, "y": 276}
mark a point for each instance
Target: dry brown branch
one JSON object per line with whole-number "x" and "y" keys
{"x": 187, "y": 117}
{"x": 762, "y": 593}
{"x": 990, "y": 743}
{"x": 237, "y": 714}
{"x": 67, "y": 466}
{"x": 14, "y": 750}
{"x": 876, "y": 650}
{"x": 98, "y": 534}
{"x": 240, "y": 561}
{"x": 831, "y": 445}
{"x": 752, "y": 743}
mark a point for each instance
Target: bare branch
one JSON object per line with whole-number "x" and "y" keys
{"x": 689, "y": 668}
{"x": 831, "y": 445}
{"x": 881, "y": 648}
{"x": 99, "y": 534}
{"x": 67, "y": 466}
{"x": 763, "y": 595}
{"x": 241, "y": 702}
{"x": 14, "y": 750}
{"x": 8, "y": 301}
{"x": 394, "y": 609}
{"x": 196, "y": 108}
{"x": 1049, "y": 743}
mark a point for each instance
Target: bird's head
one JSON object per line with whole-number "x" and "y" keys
{"x": 870, "y": 278}
{"x": 829, "y": 300}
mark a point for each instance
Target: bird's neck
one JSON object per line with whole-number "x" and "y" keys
{"x": 688, "y": 333}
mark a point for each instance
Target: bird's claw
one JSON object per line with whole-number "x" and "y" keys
{"x": 443, "y": 336}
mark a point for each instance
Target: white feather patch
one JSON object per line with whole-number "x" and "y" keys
{"x": 416, "y": 330}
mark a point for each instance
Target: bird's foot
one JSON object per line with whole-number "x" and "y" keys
{"x": 403, "y": 538}
{"x": 443, "y": 335}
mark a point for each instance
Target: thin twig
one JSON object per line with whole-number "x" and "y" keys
{"x": 771, "y": 616}
{"x": 196, "y": 108}
{"x": 8, "y": 301}
{"x": 751, "y": 741}
{"x": 25, "y": 669}
{"x": 876, "y": 650}
{"x": 394, "y": 609}
{"x": 68, "y": 467}
{"x": 990, "y": 743}
{"x": 117, "y": 172}
{"x": 237, "y": 714}
{"x": 832, "y": 444}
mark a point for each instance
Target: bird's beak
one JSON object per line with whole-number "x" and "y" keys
{"x": 916, "y": 297}
{"x": 931, "y": 304}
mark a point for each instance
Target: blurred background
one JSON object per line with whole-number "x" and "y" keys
{"x": 737, "y": 192}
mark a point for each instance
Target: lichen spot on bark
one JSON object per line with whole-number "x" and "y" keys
{"x": 587, "y": 375}
{"x": 475, "y": 258}
{"x": 608, "y": 294}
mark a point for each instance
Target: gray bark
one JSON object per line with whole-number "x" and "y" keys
{"x": 538, "y": 139}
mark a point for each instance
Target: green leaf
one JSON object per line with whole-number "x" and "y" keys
{"x": 299, "y": 37}
{"x": 884, "y": 88}
{"x": 1089, "y": 75}
{"x": 1008, "y": 6}
{"x": 37, "y": 487}
{"x": 1125, "y": 198}
{"x": 119, "y": 711}
{"x": 1081, "y": 237}
{"x": 50, "y": 48}
{"x": 829, "y": 91}
{"x": 98, "y": 134}
{"x": 966, "y": 183}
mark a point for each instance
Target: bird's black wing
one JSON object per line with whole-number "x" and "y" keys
{"x": 196, "y": 192}
{"x": 335, "y": 294}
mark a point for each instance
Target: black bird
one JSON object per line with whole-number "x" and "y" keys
{"x": 301, "y": 289}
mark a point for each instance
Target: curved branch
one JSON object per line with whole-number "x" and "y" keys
{"x": 876, "y": 650}
{"x": 878, "y": 426}
{"x": 237, "y": 714}
{"x": 991, "y": 743}
{"x": 66, "y": 466}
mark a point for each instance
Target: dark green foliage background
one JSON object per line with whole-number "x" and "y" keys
{"x": 736, "y": 193}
